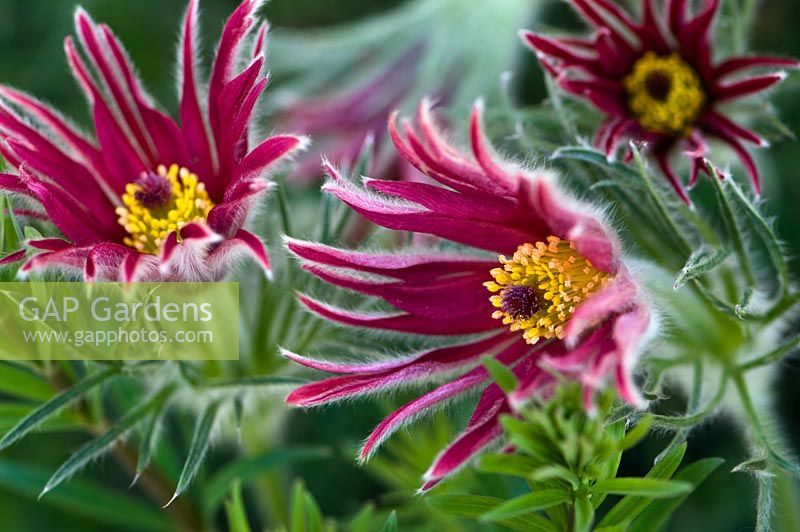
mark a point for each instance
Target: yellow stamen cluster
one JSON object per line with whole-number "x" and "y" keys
{"x": 149, "y": 225}
{"x": 559, "y": 275}
{"x": 665, "y": 94}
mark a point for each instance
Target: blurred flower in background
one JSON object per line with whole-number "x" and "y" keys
{"x": 659, "y": 87}
{"x": 563, "y": 299}
{"x": 151, "y": 199}
{"x": 347, "y": 80}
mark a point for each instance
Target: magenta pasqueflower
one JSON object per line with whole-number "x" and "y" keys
{"x": 657, "y": 81}
{"x": 343, "y": 122}
{"x": 559, "y": 293}
{"x": 150, "y": 199}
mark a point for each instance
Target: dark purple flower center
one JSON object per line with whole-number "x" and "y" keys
{"x": 659, "y": 85}
{"x": 153, "y": 190}
{"x": 520, "y": 302}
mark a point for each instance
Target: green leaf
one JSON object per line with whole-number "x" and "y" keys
{"x": 584, "y": 515}
{"x": 98, "y": 446}
{"x": 764, "y": 230}
{"x": 755, "y": 466}
{"x": 501, "y": 374}
{"x": 523, "y": 435}
{"x": 362, "y": 522}
{"x": 622, "y": 527}
{"x": 474, "y": 506}
{"x": 261, "y": 381}
{"x": 201, "y": 441}
{"x": 31, "y": 233}
{"x": 10, "y": 233}
{"x": 631, "y": 505}
{"x": 238, "y": 413}
{"x": 86, "y": 499}
{"x": 11, "y": 413}
{"x": 391, "y": 523}
{"x": 51, "y": 407}
{"x": 298, "y": 508}
{"x": 702, "y": 260}
{"x": 656, "y": 515}
{"x": 517, "y": 465}
{"x": 251, "y": 467}
{"x": 235, "y": 511}
{"x": 637, "y": 433}
{"x": 530, "y": 502}
{"x": 597, "y": 158}
{"x": 19, "y": 381}
{"x": 645, "y": 487}
{"x": 147, "y": 444}
{"x": 556, "y": 472}
{"x": 313, "y": 514}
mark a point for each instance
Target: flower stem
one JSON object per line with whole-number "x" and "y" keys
{"x": 758, "y": 429}
{"x": 773, "y": 356}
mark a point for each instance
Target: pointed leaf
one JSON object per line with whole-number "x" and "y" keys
{"x": 474, "y": 506}
{"x": 261, "y": 381}
{"x": 702, "y": 260}
{"x": 391, "y": 523}
{"x": 19, "y": 381}
{"x": 584, "y": 515}
{"x": 631, "y": 505}
{"x": 51, "y": 407}
{"x": 251, "y": 467}
{"x": 764, "y": 230}
{"x": 81, "y": 498}
{"x": 298, "y": 508}
{"x": 201, "y": 441}
{"x": 99, "y": 445}
{"x": 657, "y": 513}
{"x": 517, "y": 465}
{"x": 235, "y": 511}
{"x": 313, "y": 514}
{"x": 530, "y": 502}
{"x": 645, "y": 487}
{"x": 501, "y": 374}
{"x": 755, "y": 466}
{"x": 362, "y": 522}
{"x": 11, "y": 235}
{"x": 147, "y": 444}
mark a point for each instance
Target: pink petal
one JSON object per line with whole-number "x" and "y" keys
{"x": 400, "y": 322}
{"x": 746, "y": 87}
{"x": 735, "y": 64}
{"x": 630, "y": 331}
{"x": 444, "y": 356}
{"x": 228, "y": 217}
{"x": 193, "y": 122}
{"x": 463, "y": 296}
{"x": 50, "y": 118}
{"x": 122, "y": 97}
{"x": 245, "y": 242}
{"x": 13, "y": 257}
{"x": 258, "y": 161}
{"x": 466, "y": 446}
{"x": 437, "y": 397}
{"x": 617, "y": 296}
{"x": 662, "y": 158}
{"x": 406, "y": 266}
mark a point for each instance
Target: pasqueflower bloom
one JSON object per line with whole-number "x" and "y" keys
{"x": 657, "y": 81}
{"x": 150, "y": 199}
{"x": 552, "y": 289}
{"x": 344, "y": 122}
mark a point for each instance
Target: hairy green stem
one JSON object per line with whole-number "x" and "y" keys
{"x": 773, "y": 356}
